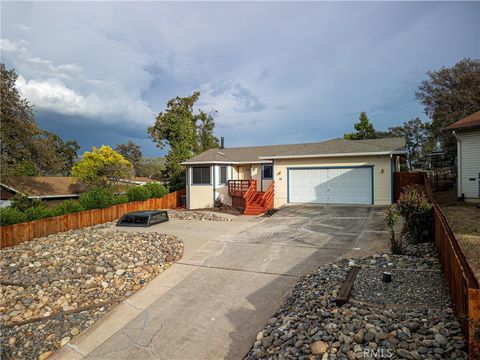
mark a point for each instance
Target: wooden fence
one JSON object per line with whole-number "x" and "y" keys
{"x": 463, "y": 285}
{"x": 12, "y": 235}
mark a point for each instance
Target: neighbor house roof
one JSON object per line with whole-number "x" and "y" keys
{"x": 44, "y": 186}
{"x": 470, "y": 122}
{"x": 329, "y": 148}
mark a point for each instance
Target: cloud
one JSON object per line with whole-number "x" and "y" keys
{"x": 288, "y": 70}
{"x": 64, "y": 88}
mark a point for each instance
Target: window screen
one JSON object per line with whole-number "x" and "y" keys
{"x": 267, "y": 171}
{"x": 223, "y": 174}
{"x": 201, "y": 175}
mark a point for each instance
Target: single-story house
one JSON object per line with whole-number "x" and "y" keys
{"x": 51, "y": 189}
{"x": 336, "y": 171}
{"x": 467, "y": 133}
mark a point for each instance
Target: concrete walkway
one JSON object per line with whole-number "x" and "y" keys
{"x": 231, "y": 280}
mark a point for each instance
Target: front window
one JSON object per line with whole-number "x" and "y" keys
{"x": 267, "y": 172}
{"x": 223, "y": 174}
{"x": 201, "y": 175}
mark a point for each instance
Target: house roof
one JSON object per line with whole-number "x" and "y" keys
{"x": 329, "y": 148}
{"x": 470, "y": 122}
{"x": 45, "y": 186}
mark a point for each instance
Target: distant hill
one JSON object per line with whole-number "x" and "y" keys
{"x": 151, "y": 167}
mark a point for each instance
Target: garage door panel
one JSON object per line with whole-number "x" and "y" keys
{"x": 331, "y": 185}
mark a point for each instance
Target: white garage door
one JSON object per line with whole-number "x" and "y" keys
{"x": 331, "y": 185}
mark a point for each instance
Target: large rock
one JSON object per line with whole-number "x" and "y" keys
{"x": 318, "y": 347}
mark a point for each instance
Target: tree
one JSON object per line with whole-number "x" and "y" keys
{"x": 25, "y": 168}
{"x": 151, "y": 168}
{"x": 364, "y": 129}
{"x": 206, "y": 139}
{"x": 66, "y": 152}
{"x": 131, "y": 152}
{"x": 448, "y": 95}
{"x": 21, "y": 140}
{"x": 176, "y": 128}
{"x": 416, "y": 134}
{"x": 102, "y": 167}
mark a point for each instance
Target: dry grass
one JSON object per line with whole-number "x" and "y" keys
{"x": 464, "y": 219}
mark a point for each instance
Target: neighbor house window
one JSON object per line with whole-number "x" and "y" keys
{"x": 200, "y": 175}
{"x": 223, "y": 174}
{"x": 267, "y": 172}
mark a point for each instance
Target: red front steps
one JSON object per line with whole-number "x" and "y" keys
{"x": 244, "y": 194}
{"x": 256, "y": 206}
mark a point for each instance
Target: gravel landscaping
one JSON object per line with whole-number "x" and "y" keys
{"x": 196, "y": 216}
{"x": 378, "y": 322}
{"x": 52, "y": 279}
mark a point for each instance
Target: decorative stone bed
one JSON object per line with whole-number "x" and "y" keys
{"x": 196, "y": 215}
{"x": 54, "y": 287}
{"x": 410, "y": 318}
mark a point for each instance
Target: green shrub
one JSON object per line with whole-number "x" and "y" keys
{"x": 38, "y": 212}
{"x": 138, "y": 193}
{"x": 67, "y": 207}
{"x": 391, "y": 218}
{"x": 416, "y": 209}
{"x": 10, "y": 216}
{"x": 22, "y": 202}
{"x": 98, "y": 198}
{"x": 121, "y": 199}
{"x": 156, "y": 190}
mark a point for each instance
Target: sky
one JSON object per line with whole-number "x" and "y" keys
{"x": 274, "y": 72}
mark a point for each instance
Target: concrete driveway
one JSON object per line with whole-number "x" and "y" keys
{"x": 232, "y": 278}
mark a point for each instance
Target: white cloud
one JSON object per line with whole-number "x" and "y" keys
{"x": 65, "y": 89}
{"x": 54, "y": 95}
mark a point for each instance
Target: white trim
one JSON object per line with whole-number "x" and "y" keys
{"x": 53, "y": 196}
{"x": 459, "y": 164}
{"x": 335, "y": 155}
{"x": 226, "y": 162}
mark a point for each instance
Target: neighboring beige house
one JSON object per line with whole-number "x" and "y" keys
{"x": 467, "y": 132}
{"x": 336, "y": 171}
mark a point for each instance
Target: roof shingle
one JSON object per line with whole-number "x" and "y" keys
{"x": 330, "y": 147}
{"x": 470, "y": 122}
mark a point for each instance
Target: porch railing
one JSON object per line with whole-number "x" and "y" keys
{"x": 238, "y": 187}
{"x": 250, "y": 194}
{"x": 268, "y": 196}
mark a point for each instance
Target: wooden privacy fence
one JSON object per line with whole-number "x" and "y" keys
{"x": 463, "y": 284}
{"x": 12, "y": 235}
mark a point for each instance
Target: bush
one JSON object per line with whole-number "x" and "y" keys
{"x": 67, "y": 207}
{"x": 97, "y": 199}
{"x": 22, "y": 202}
{"x": 416, "y": 209}
{"x": 391, "y": 218}
{"x": 156, "y": 190}
{"x": 38, "y": 212}
{"x": 10, "y": 216}
{"x": 121, "y": 199}
{"x": 138, "y": 193}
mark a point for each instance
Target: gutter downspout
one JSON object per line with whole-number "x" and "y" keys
{"x": 459, "y": 164}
